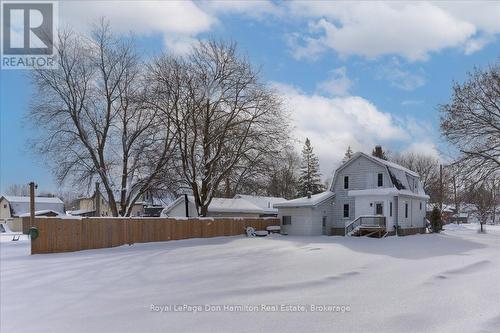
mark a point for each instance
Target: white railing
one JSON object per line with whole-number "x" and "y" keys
{"x": 365, "y": 221}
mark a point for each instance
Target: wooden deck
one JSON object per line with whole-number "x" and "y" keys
{"x": 370, "y": 231}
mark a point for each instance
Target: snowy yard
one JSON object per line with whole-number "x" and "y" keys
{"x": 440, "y": 283}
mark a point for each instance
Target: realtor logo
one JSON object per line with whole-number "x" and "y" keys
{"x": 28, "y": 30}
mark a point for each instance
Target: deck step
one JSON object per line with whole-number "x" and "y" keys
{"x": 369, "y": 231}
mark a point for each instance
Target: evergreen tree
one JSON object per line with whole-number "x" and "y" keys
{"x": 348, "y": 154}
{"x": 435, "y": 219}
{"x": 310, "y": 177}
{"x": 378, "y": 152}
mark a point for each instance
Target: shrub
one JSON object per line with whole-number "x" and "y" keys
{"x": 435, "y": 219}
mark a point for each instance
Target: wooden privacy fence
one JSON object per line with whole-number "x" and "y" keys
{"x": 68, "y": 234}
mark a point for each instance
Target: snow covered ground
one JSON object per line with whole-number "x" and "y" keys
{"x": 425, "y": 283}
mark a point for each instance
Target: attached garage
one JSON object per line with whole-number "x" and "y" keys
{"x": 307, "y": 216}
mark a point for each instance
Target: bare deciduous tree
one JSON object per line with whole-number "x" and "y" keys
{"x": 223, "y": 114}
{"x": 484, "y": 202}
{"x": 471, "y": 122}
{"x": 18, "y": 190}
{"x": 93, "y": 122}
{"x": 284, "y": 179}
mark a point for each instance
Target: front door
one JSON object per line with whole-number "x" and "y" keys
{"x": 379, "y": 208}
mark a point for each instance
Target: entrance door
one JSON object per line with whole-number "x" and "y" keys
{"x": 379, "y": 208}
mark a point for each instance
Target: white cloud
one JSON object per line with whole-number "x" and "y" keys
{"x": 425, "y": 147}
{"x": 476, "y": 44}
{"x": 371, "y": 29}
{"x": 411, "y": 102}
{"x": 254, "y": 9}
{"x": 333, "y": 123}
{"x": 177, "y": 21}
{"x": 412, "y": 30}
{"x": 400, "y": 78}
{"x": 338, "y": 84}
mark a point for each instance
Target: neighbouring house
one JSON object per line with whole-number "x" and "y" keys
{"x": 239, "y": 206}
{"x": 98, "y": 205}
{"x": 13, "y": 208}
{"x": 368, "y": 195}
{"x": 266, "y": 203}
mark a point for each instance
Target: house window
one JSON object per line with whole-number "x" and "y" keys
{"x": 287, "y": 220}
{"x": 324, "y": 221}
{"x": 346, "y": 182}
{"x": 390, "y": 208}
{"x": 379, "y": 209}
{"x": 380, "y": 179}
{"x": 420, "y": 205}
{"x": 346, "y": 210}
{"x": 5, "y": 206}
{"x": 406, "y": 210}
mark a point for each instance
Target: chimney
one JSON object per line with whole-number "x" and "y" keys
{"x": 309, "y": 193}
{"x": 378, "y": 150}
{"x": 97, "y": 200}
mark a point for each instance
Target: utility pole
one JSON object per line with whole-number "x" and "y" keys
{"x": 457, "y": 209}
{"x": 441, "y": 191}
{"x": 33, "y": 186}
{"x": 97, "y": 198}
{"x": 186, "y": 204}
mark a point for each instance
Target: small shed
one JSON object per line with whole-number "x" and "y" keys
{"x": 307, "y": 216}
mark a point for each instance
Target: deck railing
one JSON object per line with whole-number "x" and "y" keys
{"x": 366, "y": 221}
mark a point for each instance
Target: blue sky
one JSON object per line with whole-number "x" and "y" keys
{"x": 354, "y": 74}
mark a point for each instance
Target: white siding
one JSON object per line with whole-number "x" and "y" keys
{"x": 415, "y": 217}
{"x": 4, "y": 208}
{"x": 307, "y": 221}
{"x": 365, "y": 205}
{"x": 301, "y": 221}
{"x": 179, "y": 210}
{"x": 362, "y": 174}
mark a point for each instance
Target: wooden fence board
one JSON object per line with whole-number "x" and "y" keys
{"x": 75, "y": 234}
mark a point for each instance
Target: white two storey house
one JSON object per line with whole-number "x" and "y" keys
{"x": 367, "y": 196}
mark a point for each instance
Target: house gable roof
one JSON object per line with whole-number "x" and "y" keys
{"x": 21, "y": 205}
{"x": 387, "y": 164}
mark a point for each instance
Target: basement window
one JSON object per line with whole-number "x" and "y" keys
{"x": 346, "y": 210}
{"x": 286, "y": 220}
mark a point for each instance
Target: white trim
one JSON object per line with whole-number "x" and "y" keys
{"x": 392, "y": 191}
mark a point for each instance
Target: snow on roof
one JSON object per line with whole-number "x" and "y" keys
{"x": 12, "y": 198}
{"x": 80, "y": 211}
{"x": 222, "y": 205}
{"x": 392, "y": 165}
{"x": 266, "y": 203}
{"x": 314, "y": 200}
{"x": 233, "y": 205}
{"x": 41, "y": 213}
{"x": 21, "y": 205}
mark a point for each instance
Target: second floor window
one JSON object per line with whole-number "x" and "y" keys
{"x": 380, "y": 179}
{"x": 346, "y": 182}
